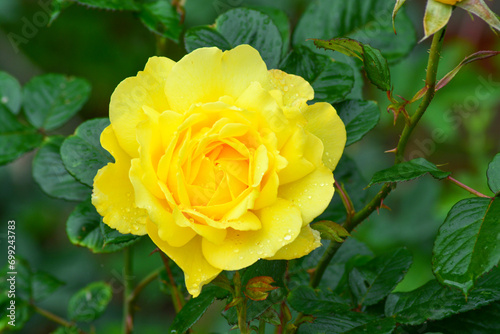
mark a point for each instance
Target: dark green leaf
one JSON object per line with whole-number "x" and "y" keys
{"x": 90, "y": 302}
{"x": 195, "y": 308}
{"x": 368, "y": 21}
{"x": 371, "y": 282}
{"x": 43, "y": 284}
{"x": 348, "y": 323}
{"x": 17, "y": 278}
{"x": 23, "y": 312}
{"x": 309, "y": 301}
{"x": 433, "y": 301}
{"x": 10, "y": 92}
{"x": 57, "y": 7}
{"x": 481, "y": 321}
{"x": 15, "y": 138}
{"x": 84, "y": 228}
{"x": 50, "y": 100}
{"x": 52, "y": 177}
{"x": 493, "y": 174}
{"x": 376, "y": 68}
{"x": 359, "y": 118}
{"x": 467, "y": 244}
{"x": 331, "y": 80}
{"x": 113, "y": 237}
{"x": 110, "y": 4}
{"x": 256, "y": 308}
{"x": 82, "y": 153}
{"x": 280, "y": 19}
{"x": 161, "y": 17}
{"x": 240, "y": 26}
{"x": 408, "y": 170}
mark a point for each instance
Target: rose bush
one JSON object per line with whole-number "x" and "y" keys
{"x": 219, "y": 160}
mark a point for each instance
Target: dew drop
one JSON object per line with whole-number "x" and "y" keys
{"x": 127, "y": 209}
{"x": 5, "y": 99}
{"x": 236, "y": 250}
{"x": 287, "y": 237}
{"x": 309, "y": 197}
{"x": 285, "y": 88}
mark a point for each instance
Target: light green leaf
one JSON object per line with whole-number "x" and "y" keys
{"x": 371, "y": 282}
{"x": 437, "y": 15}
{"x": 85, "y": 228}
{"x": 482, "y": 10}
{"x": 10, "y": 92}
{"x": 493, "y": 174}
{"x": 408, "y": 170}
{"x": 330, "y": 230}
{"x": 50, "y": 100}
{"x": 82, "y": 153}
{"x": 90, "y": 302}
{"x": 52, "y": 177}
{"x": 359, "y": 118}
{"x": 467, "y": 244}
{"x": 15, "y": 138}
{"x": 240, "y": 26}
{"x": 433, "y": 301}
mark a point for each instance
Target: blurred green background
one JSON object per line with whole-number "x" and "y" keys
{"x": 460, "y": 131}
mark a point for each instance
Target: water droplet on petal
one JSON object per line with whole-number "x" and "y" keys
{"x": 287, "y": 237}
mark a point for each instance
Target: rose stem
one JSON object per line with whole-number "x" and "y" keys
{"x": 55, "y": 318}
{"x": 469, "y": 189}
{"x": 127, "y": 282}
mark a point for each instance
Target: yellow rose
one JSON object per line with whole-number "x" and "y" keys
{"x": 449, "y": 2}
{"x": 220, "y": 161}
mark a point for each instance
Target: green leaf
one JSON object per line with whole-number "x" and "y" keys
{"x": 66, "y": 330}
{"x": 15, "y": 138}
{"x": 195, "y": 308}
{"x": 82, "y": 153}
{"x": 408, "y": 170}
{"x": 368, "y": 21}
{"x": 50, "y": 100}
{"x": 376, "y": 68}
{"x": 437, "y": 15}
{"x": 309, "y": 301}
{"x": 375, "y": 64}
{"x": 484, "y": 320}
{"x": 433, "y": 301}
{"x": 280, "y": 19}
{"x": 359, "y": 118}
{"x": 331, "y": 80}
{"x": 397, "y": 6}
{"x": 43, "y": 285}
{"x": 23, "y": 313}
{"x": 162, "y": 18}
{"x": 57, "y": 7}
{"x": 240, "y": 26}
{"x": 52, "y": 177}
{"x": 493, "y": 174}
{"x": 348, "y": 323}
{"x": 467, "y": 244}
{"x": 10, "y": 92}
{"x": 84, "y": 228}
{"x": 479, "y": 8}
{"x": 90, "y": 302}
{"x": 371, "y": 282}
{"x": 110, "y": 4}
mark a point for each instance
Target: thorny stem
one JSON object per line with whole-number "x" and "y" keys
{"x": 241, "y": 307}
{"x": 430, "y": 83}
{"x": 469, "y": 189}
{"x": 176, "y": 296}
{"x": 128, "y": 320}
{"x": 346, "y": 200}
{"x": 55, "y": 318}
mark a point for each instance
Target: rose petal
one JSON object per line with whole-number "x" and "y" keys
{"x": 113, "y": 194}
{"x": 206, "y": 74}
{"x": 128, "y": 99}
{"x": 307, "y": 241}
{"x": 197, "y": 271}
{"x": 311, "y": 194}
{"x": 158, "y": 210}
{"x": 296, "y": 91}
{"x": 281, "y": 224}
{"x": 324, "y": 123}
